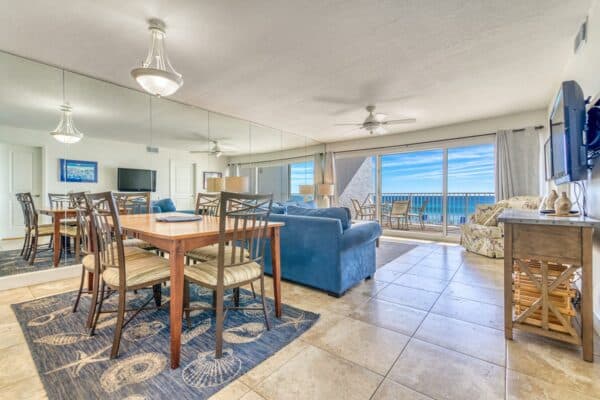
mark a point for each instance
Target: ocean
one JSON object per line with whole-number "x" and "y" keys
{"x": 460, "y": 205}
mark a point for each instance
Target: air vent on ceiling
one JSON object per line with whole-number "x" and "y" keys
{"x": 581, "y": 37}
{"x": 151, "y": 149}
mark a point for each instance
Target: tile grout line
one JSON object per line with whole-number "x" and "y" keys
{"x": 408, "y": 342}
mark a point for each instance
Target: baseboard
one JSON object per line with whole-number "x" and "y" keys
{"x": 36, "y": 277}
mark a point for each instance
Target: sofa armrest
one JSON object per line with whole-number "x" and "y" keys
{"x": 360, "y": 233}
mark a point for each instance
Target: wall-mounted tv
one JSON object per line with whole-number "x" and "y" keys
{"x": 567, "y": 122}
{"x": 78, "y": 171}
{"x": 136, "y": 180}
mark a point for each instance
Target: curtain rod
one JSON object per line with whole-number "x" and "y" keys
{"x": 537, "y": 127}
{"x": 275, "y": 159}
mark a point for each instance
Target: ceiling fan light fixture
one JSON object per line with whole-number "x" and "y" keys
{"x": 156, "y": 75}
{"x": 66, "y": 132}
{"x": 380, "y": 117}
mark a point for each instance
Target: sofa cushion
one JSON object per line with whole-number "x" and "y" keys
{"x": 333, "y": 212}
{"x": 166, "y": 205}
{"x": 278, "y": 208}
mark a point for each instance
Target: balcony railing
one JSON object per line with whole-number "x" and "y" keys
{"x": 460, "y": 205}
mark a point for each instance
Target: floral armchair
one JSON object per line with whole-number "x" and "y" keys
{"x": 483, "y": 234}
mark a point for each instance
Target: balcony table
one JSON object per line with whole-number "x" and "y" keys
{"x": 177, "y": 238}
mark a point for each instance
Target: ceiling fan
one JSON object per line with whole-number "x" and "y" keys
{"x": 215, "y": 149}
{"x": 376, "y": 123}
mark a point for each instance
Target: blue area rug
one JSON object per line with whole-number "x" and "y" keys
{"x": 73, "y": 365}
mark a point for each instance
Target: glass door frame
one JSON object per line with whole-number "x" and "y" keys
{"x": 444, "y": 146}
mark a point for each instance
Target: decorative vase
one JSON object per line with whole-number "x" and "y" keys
{"x": 562, "y": 206}
{"x": 550, "y": 200}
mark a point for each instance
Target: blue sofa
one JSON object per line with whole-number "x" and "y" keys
{"x": 321, "y": 248}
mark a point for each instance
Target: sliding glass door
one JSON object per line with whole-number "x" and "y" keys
{"x": 412, "y": 190}
{"x": 470, "y": 182}
{"x": 426, "y": 191}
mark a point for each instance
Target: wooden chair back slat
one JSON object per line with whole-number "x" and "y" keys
{"x": 207, "y": 204}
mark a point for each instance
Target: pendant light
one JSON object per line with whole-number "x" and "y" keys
{"x": 157, "y": 76}
{"x": 66, "y": 132}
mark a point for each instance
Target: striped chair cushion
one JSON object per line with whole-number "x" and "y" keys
{"x": 67, "y": 230}
{"x": 132, "y": 242}
{"x": 209, "y": 253}
{"x": 141, "y": 270}
{"x": 44, "y": 230}
{"x": 206, "y": 273}
{"x": 130, "y": 252}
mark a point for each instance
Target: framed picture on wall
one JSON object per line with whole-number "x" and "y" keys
{"x": 78, "y": 171}
{"x": 207, "y": 174}
{"x": 547, "y": 160}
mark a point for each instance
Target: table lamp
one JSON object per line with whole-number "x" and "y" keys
{"x": 326, "y": 190}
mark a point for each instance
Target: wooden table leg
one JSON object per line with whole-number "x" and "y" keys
{"x": 508, "y": 270}
{"x": 176, "y": 262}
{"x": 587, "y": 329}
{"x": 57, "y": 239}
{"x": 276, "y": 269}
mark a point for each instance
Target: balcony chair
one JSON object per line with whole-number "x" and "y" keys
{"x": 363, "y": 210}
{"x": 420, "y": 214}
{"x": 399, "y": 211}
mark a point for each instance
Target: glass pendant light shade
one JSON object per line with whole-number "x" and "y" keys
{"x": 157, "y": 76}
{"x": 66, "y": 132}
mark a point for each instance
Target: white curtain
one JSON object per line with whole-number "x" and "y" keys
{"x": 329, "y": 173}
{"x": 517, "y": 163}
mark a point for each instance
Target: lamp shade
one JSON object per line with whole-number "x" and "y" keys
{"x": 325, "y": 189}
{"x": 237, "y": 184}
{"x": 306, "y": 189}
{"x": 215, "y": 185}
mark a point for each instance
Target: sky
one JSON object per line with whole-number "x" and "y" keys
{"x": 470, "y": 169}
{"x": 300, "y": 174}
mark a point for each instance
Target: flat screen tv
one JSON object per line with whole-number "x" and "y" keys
{"x": 78, "y": 171}
{"x": 567, "y": 122}
{"x": 136, "y": 180}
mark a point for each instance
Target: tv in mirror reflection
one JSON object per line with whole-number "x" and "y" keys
{"x": 78, "y": 171}
{"x": 136, "y": 180}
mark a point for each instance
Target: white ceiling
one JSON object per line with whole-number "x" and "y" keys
{"x": 302, "y": 66}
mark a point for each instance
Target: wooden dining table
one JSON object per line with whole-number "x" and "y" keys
{"x": 177, "y": 238}
{"x": 58, "y": 215}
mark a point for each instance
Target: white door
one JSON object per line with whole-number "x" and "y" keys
{"x": 182, "y": 184}
{"x": 24, "y": 174}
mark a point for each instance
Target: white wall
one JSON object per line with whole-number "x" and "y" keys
{"x": 584, "y": 67}
{"x": 110, "y": 155}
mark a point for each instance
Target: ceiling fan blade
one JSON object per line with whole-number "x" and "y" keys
{"x": 400, "y": 121}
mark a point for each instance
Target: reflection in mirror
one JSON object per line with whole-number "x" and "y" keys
{"x": 132, "y": 142}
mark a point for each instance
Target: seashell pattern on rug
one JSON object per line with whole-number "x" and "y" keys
{"x": 143, "y": 330}
{"x": 132, "y": 370}
{"x": 245, "y": 333}
{"x": 208, "y": 371}
{"x": 47, "y": 318}
{"x": 201, "y": 329}
{"x": 63, "y": 339}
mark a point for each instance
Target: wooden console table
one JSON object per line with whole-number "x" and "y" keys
{"x": 546, "y": 252}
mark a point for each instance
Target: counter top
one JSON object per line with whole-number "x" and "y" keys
{"x": 517, "y": 216}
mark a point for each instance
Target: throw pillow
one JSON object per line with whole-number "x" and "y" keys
{"x": 333, "y": 212}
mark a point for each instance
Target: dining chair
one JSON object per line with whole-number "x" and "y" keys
{"x": 33, "y": 229}
{"x": 118, "y": 272}
{"x": 134, "y": 203}
{"x": 420, "y": 214}
{"x": 399, "y": 211}
{"x": 207, "y": 204}
{"x": 243, "y": 220}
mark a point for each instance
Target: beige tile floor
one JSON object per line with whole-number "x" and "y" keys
{"x": 428, "y": 326}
